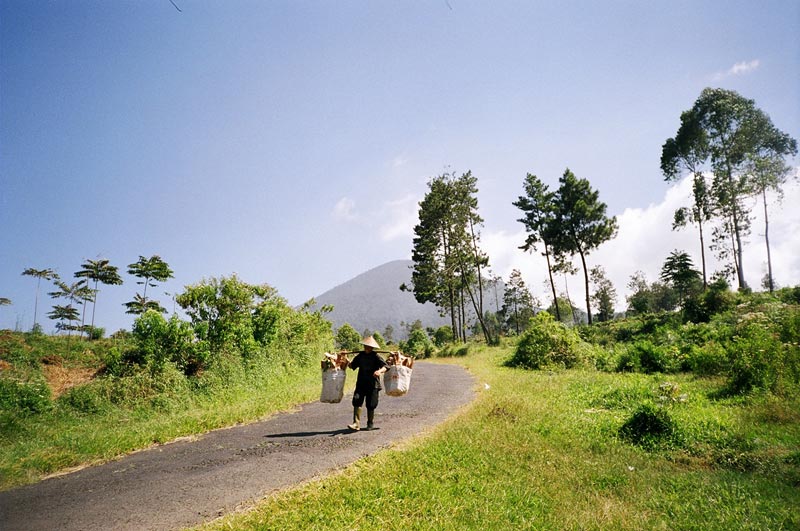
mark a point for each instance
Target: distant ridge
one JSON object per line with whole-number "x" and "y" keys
{"x": 373, "y": 299}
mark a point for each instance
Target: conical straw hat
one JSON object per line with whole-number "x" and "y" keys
{"x": 370, "y": 342}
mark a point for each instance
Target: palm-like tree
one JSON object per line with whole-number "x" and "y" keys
{"x": 102, "y": 272}
{"x": 39, "y": 274}
{"x": 75, "y": 293}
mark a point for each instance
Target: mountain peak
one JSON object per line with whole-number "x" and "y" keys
{"x": 373, "y": 299}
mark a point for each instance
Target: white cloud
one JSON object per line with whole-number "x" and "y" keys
{"x": 743, "y": 67}
{"x": 345, "y": 210}
{"x": 399, "y": 218}
{"x": 646, "y": 238}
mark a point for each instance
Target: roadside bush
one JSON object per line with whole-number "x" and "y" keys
{"x": 158, "y": 341}
{"x": 418, "y": 344}
{"x": 25, "y": 397}
{"x": 454, "y": 351}
{"x": 546, "y": 343}
{"x": 86, "y": 399}
{"x": 443, "y": 336}
{"x": 649, "y": 426}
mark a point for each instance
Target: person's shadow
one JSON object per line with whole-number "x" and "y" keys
{"x": 331, "y": 433}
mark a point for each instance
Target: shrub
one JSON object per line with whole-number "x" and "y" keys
{"x": 759, "y": 361}
{"x": 85, "y": 399}
{"x": 546, "y": 344}
{"x": 648, "y": 426}
{"x": 24, "y": 397}
{"x": 418, "y": 344}
{"x": 159, "y": 341}
{"x": 654, "y": 358}
{"x": 348, "y": 338}
{"x": 708, "y": 359}
{"x": 96, "y": 332}
{"x": 453, "y": 350}
{"x": 443, "y": 336}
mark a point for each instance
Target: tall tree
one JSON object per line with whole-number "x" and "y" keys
{"x": 723, "y": 131}
{"x": 769, "y": 173}
{"x": 75, "y": 293}
{"x": 678, "y": 271}
{"x": 582, "y": 223}
{"x": 604, "y": 295}
{"x": 101, "y": 272}
{"x": 518, "y": 303}
{"x": 539, "y": 208}
{"x": 39, "y": 274}
{"x": 149, "y": 270}
{"x": 448, "y": 261}
{"x": 688, "y": 150}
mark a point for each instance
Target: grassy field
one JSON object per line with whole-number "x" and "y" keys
{"x": 542, "y": 450}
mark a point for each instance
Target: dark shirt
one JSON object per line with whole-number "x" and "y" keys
{"x": 367, "y": 363}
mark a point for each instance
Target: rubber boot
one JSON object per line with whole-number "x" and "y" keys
{"x": 370, "y": 419}
{"x": 356, "y": 425}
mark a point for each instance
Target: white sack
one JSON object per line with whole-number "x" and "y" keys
{"x": 332, "y": 385}
{"x": 397, "y": 380}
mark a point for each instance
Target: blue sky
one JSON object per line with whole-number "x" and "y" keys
{"x": 290, "y": 142}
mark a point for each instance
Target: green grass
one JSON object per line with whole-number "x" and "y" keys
{"x": 541, "y": 450}
{"x": 34, "y": 446}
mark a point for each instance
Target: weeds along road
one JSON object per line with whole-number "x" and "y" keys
{"x": 189, "y": 482}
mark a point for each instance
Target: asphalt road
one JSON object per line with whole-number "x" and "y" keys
{"x": 185, "y": 483}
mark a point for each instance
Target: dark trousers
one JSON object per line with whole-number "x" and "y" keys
{"x": 371, "y": 396}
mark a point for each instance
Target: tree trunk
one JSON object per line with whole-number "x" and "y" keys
{"x": 703, "y": 254}
{"x": 552, "y": 283}
{"x": 569, "y": 300}
{"x": 36, "y": 302}
{"x": 766, "y": 239}
{"x": 586, "y": 279}
{"x": 94, "y": 304}
{"x": 738, "y": 245}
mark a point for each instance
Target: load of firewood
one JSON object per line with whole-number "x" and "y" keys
{"x": 397, "y": 379}
{"x": 334, "y": 361}
{"x": 398, "y": 358}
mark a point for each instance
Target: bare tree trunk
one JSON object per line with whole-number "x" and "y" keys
{"x": 552, "y": 283}
{"x": 766, "y": 239}
{"x": 586, "y": 279}
{"x": 703, "y": 254}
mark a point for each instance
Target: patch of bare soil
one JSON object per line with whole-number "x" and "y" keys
{"x": 61, "y": 379}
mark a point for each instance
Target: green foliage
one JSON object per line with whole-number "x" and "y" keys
{"x": 443, "y": 336}
{"x": 347, "y": 338}
{"x": 25, "y": 397}
{"x": 580, "y": 223}
{"x": 649, "y": 426}
{"x": 149, "y": 270}
{"x": 447, "y": 258}
{"x": 379, "y": 339}
{"x": 546, "y": 343}
{"x": 418, "y": 344}
{"x": 159, "y": 341}
{"x": 85, "y": 399}
{"x": 647, "y": 357}
{"x": 761, "y": 361}
{"x": 718, "y": 298}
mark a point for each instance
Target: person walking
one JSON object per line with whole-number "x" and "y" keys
{"x": 370, "y": 366}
